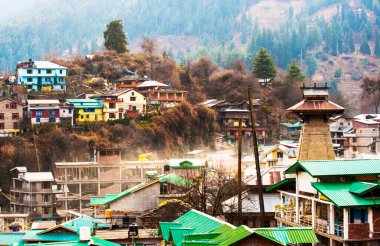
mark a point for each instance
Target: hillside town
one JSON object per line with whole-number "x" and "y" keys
{"x": 317, "y": 184}
{"x": 242, "y": 123}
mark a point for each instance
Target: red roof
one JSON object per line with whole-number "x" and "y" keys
{"x": 310, "y": 106}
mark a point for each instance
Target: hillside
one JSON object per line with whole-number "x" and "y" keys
{"x": 223, "y": 30}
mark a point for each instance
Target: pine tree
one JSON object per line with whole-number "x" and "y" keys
{"x": 294, "y": 73}
{"x": 115, "y": 38}
{"x": 364, "y": 48}
{"x": 263, "y": 65}
{"x": 350, "y": 42}
{"x": 377, "y": 46}
{"x": 312, "y": 65}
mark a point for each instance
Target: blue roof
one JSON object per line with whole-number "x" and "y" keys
{"x": 86, "y": 103}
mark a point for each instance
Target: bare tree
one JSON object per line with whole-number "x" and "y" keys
{"x": 371, "y": 88}
{"x": 211, "y": 189}
{"x": 149, "y": 48}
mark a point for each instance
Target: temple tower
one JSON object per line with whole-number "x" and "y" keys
{"x": 315, "y": 109}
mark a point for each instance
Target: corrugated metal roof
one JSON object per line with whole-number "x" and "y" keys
{"x": 151, "y": 83}
{"x": 281, "y": 183}
{"x": 42, "y": 102}
{"x": 48, "y": 64}
{"x": 178, "y": 234}
{"x": 38, "y": 176}
{"x": 325, "y": 168}
{"x": 289, "y": 235}
{"x": 316, "y": 105}
{"x": 340, "y": 195}
{"x": 233, "y": 236}
{"x": 110, "y": 198}
{"x": 165, "y": 229}
{"x": 195, "y": 220}
{"x": 361, "y": 188}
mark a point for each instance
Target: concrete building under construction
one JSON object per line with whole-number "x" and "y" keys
{"x": 106, "y": 174}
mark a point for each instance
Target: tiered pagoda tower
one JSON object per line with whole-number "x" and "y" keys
{"x": 315, "y": 109}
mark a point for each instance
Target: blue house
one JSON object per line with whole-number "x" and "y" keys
{"x": 41, "y": 76}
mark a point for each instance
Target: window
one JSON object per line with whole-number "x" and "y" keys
{"x": 7, "y": 106}
{"x": 133, "y": 93}
{"x": 51, "y": 120}
{"x": 38, "y": 119}
{"x": 15, "y": 125}
{"x": 280, "y": 155}
{"x": 358, "y": 215}
{"x": 354, "y": 148}
{"x": 132, "y": 99}
{"x": 88, "y": 116}
{"x": 70, "y": 110}
{"x": 82, "y": 116}
{"x": 341, "y": 123}
{"x": 39, "y": 113}
{"x": 89, "y": 110}
{"x": 15, "y": 116}
{"x": 48, "y": 80}
{"x": 60, "y": 71}
{"x": 354, "y": 140}
{"x": 112, "y": 105}
{"x": 1, "y": 126}
{"x": 39, "y": 71}
{"x": 13, "y": 105}
{"x": 48, "y": 71}
{"x": 1, "y": 116}
{"x": 30, "y": 80}
{"x": 134, "y": 108}
{"x": 29, "y": 71}
{"x": 60, "y": 79}
{"x": 112, "y": 116}
{"x": 52, "y": 112}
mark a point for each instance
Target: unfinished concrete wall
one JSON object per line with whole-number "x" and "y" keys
{"x": 139, "y": 201}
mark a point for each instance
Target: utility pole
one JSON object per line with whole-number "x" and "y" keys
{"x": 256, "y": 153}
{"x": 239, "y": 173}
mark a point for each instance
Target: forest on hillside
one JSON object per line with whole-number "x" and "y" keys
{"x": 223, "y": 30}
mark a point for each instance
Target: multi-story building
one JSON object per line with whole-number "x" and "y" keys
{"x": 130, "y": 80}
{"x": 33, "y": 192}
{"x": 107, "y": 175}
{"x": 43, "y": 111}
{"x": 364, "y": 138}
{"x": 41, "y": 76}
{"x": 66, "y": 114}
{"x": 87, "y": 110}
{"x": 145, "y": 196}
{"x": 11, "y": 116}
{"x": 161, "y": 94}
{"x": 291, "y": 131}
{"x": 339, "y": 199}
{"x": 128, "y": 101}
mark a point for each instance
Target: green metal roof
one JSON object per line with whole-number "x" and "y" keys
{"x": 361, "y": 188}
{"x": 95, "y": 241}
{"x": 340, "y": 195}
{"x": 170, "y": 178}
{"x": 281, "y": 183}
{"x": 233, "y": 236}
{"x": 177, "y": 180}
{"x": 165, "y": 229}
{"x": 33, "y": 236}
{"x": 289, "y": 235}
{"x": 10, "y": 238}
{"x": 178, "y": 234}
{"x": 193, "y": 222}
{"x": 326, "y": 168}
{"x": 202, "y": 236}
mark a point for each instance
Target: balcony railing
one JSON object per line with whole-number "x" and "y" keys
{"x": 288, "y": 214}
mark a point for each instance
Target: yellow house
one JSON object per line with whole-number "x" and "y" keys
{"x": 87, "y": 110}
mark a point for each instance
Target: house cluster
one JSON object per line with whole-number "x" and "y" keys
{"x": 130, "y": 96}
{"x": 229, "y": 114}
